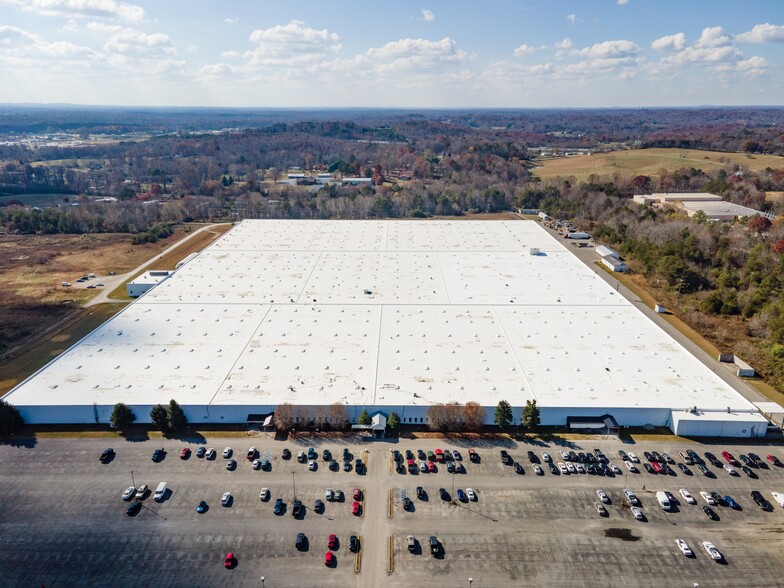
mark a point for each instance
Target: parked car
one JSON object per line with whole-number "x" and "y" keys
{"x": 774, "y": 460}
{"x": 357, "y": 494}
{"x": 135, "y": 507}
{"x": 443, "y": 494}
{"x": 202, "y": 507}
{"x": 142, "y": 492}
{"x": 714, "y": 553}
{"x": 296, "y": 508}
{"x": 318, "y": 506}
{"x": 637, "y": 513}
{"x": 711, "y": 513}
{"x": 412, "y": 543}
{"x": 461, "y": 496}
{"x": 435, "y": 546}
{"x": 470, "y": 494}
{"x": 456, "y": 455}
{"x": 312, "y": 465}
{"x": 299, "y": 542}
{"x": 633, "y": 458}
{"x": 631, "y": 497}
{"x": 603, "y": 496}
{"x": 538, "y": 470}
{"x": 256, "y": 464}
{"x": 687, "y": 496}
{"x": 356, "y": 508}
{"x": 338, "y": 495}
{"x": 562, "y": 467}
{"x": 631, "y": 467}
{"x": 730, "y": 470}
{"x": 332, "y": 541}
{"x": 329, "y": 559}
{"x": 251, "y": 455}
{"x": 473, "y": 456}
{"x": 684, "y": 547}
{"x": 749, "y": 472}
{"x": 227, "y": 452}
{"x": 264, "y": 495}
{"x": 158, "y": 454}
{"x": 278, "y": 508}
{"x": 420, "y": 492}
{"x": 229, "y": 561}
{"x": 185, "y": 453}
{"x": 546, "y": 457}
{"x": 231, "y": 464}
{"x": 518, "y": 468}
{"x": 353, "y": 543}
{"x": 286, "y": 453}
{"x": 326, "y": 455}
{"x": 226, "y": 499}
{"x": 201, "y": 451}
{"x": 760, "y": 500}
{"x": 615, "y": 469}
{"x": 649, "y": 468}
{"x": 623, "y": 455}
{"x": 211, "y": 453}
{"x": 732, "y": 503}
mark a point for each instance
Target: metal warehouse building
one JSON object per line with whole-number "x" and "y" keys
{"x": 386, "y": 316}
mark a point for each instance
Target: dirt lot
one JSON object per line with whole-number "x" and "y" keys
{"x": 651, "y": 162}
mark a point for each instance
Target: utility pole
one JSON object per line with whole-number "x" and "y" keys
{"x": 132, "y": 480}
{"x": 293, "y": 485}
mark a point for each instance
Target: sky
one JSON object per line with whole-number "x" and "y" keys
{"x": 399, "y": 53}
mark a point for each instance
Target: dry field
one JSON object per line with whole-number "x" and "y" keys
{"x": 650, "y": 162}
{"x": 38, "y": 317}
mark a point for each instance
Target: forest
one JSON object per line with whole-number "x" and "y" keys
{"x": 724, "y": 279}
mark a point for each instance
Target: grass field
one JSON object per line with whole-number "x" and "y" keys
{"x": 650, "y": 162}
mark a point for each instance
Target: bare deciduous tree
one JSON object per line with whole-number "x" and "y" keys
{"x": 284, "y": 416}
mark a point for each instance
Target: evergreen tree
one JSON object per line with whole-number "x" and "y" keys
{"x": 531, "y": 418}
{"x": 393, "y": 422}
{"x": 160, "y": 417}
{"x": 177, "y": 418}
{"x": 11, "y": 422}
{"x": 503, "y": 414}
{"x": 122, "y": 417}
{"x": 364, "y": 418}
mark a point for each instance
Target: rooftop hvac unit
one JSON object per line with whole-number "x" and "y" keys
{"x": 534, "y": 251}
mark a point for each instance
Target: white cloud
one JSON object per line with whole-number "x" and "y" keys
{"x": 408, "y": 54}
{"x": 524, "y": 50}
{"x": 753, "y": 66}
{"x": 294, "y": 42}
{"x": 623, "y": 2}
{"x": 565, "y": 44}
{"x": 427, "y": 15}
{"x": 610, "y": 50}
{"x": 763, "y": 33}
{"x": 230, "y": 55}
{"x": 22, "y": 48}
{"x": 231, "y": 20}
{"x": 713, "y": 37}
{"x": 676, "y": 42}
{"x": 81, "y": 8}
{"x": 69, "y": 27}
{"x": 192, "y": 49}
{"x": 133, "y": 42}
{"x": 572, "y": 18}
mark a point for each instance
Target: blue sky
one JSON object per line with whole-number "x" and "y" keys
{"x": 428, "y": 54}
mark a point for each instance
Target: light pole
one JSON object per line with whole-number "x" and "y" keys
{"x": 262, "y": 582}
{"x": 132, "y": 480}
{"x": 293, "y": 485}
{"x": 470, "y": 581}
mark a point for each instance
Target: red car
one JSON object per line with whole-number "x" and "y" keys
{"x": 657, "y": 467}
{"x": 357, "y": 494}
{"x": 728, "y": 456}
{"x": 355, "y": 508}
{"x": 439, "y": 455}
{"x": 332, "y": 541}
{"x": 329, "y": 559}
{"x": 774, "y": 460}
{"x": 431, "y": 467}
{"x": 185, "y": 453}
{"x": 229, "y": 561}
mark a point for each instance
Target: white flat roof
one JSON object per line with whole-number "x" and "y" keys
{"x": 277, "y": 311}
{"x": 721, "y": 208}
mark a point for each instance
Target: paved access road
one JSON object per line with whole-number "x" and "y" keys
{"x": 63, "y": 523}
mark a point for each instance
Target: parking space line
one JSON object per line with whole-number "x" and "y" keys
{"x": 390, "y": 556}
{"x": 358, "y": 557}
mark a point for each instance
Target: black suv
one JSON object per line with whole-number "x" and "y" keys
{"x": 107, "y": 455}
{"x": 353, "y": 543}
{"x": 296, "y": 509}
{"x": 300, "y": 542}
{"x": 158, "y": 454}
{"x": 761, "y": 502}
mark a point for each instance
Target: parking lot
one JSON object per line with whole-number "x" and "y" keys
{"x": 64, "y": 522}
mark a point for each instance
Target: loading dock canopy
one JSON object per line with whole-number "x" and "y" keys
{"x": 264, "y": 419}
{"x": 606, "y": 421}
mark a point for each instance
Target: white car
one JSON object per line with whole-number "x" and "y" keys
{"x": 564, "y": 455}
{"x": 603, "y": 496}
{"x": 470, "y": 494}
{"x": 580, "y": 468}
{"x": 251, "y": 453}
{"x": 330, "y": 494}
{"x": 562, "y": 467}
{"x": 227, "y": 452}
{"x": 615, "y": 469}
{"x": 226, "y": 498}
{"x": 684, "y": 547}
{"x": 708, "y": 498}
{"x": 312, "y": 465}
{"x": 141, "y": 491}
{"x": 630, "y": 466}
{"x": 730, "y": 470}
{"x": 264, "y": 494}
{"x": 600, "y": 509}
{"x": 256, "y": 465}
{"x": 570, "y": 467}
{"x": 637, "y": 513}
{"x": 422, "y": 466}
{"x": 712, "y": 551}
{"x": 687, "y": 496}
{"x": 211, "y": 453}
{"x": 778, "y": 497}
{"x": 538, "y": 470}
{"x": 634, "y": 458}
{"x": 546, "y": 457}
{"x": 129, "y": 493}
{"x": 631, "y": 497}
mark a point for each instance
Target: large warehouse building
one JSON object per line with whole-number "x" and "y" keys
{"x": 386, "y": 316}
